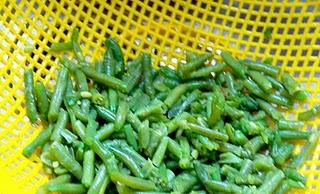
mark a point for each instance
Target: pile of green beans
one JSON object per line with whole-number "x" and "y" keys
{"x": 129, "y": 128}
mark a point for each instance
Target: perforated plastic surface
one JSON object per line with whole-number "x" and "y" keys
{"x": 164, "y": 28}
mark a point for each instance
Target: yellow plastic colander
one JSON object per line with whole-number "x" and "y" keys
{"x": 164, "y": 28}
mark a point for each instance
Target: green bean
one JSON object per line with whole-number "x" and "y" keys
{"x": 250, "y": 127}
{"x": 199, "y": 84}
{"x": 207, "y": 71}
{"x": 121, "y": 115}
{"x": 127, "y": 160}
{"x": 275, "y": 83}
{"x": 61, "y": 124}
{"x": 229, "y": 158}
{"x": 67, "y": 63}
{"x": 30, "y": 96}
{"x": 261, "y": 80}
{"x": 174, "y": 148}
{"x": 254, "y": 144}
{"x": 76, "y": 46}
{"x": 144, "y": 135}
{"x": 67, "y": 188}
{"x": 105, "y": 113}
{"x": 66, "y": 160}
{"x": 109, "y": 63}
{"x": 105, "y": 131}
{"x": 234, "y": 64}
{"x": 230, "y": 83}
{"x": 190, "y": 56}
{"x": 309, "y": 114}
{"x": 215, "y": 110}
{"x": 269, "y": 109}
{"x": 261, "y": 67}
{"x": 228, "y": 147}
{"x": 42, "y": 99}
{"x": 39, "y": 141}
{"x": 88, "y": 168}
{"x": 130, "y": 136}
{"x": 160, "y": 152}
{"x": 264, "y": 163}
{"x": 222, "y": 186}
{"x": 253, "y": 87}
{"x": 134, "y": 76}
{"x": 279, "y": 100}
{"x": 148, "y": 79}
{"x": 184, "y": 161}
{"x": 99, "y": 181}
{"x": 156, "y": 107}
{"x": 133, "y": 182}
{"x": 305, "y": 151}
{"x": 283, "y": 188}
{"x": 301, "y": 95}
{"x": 169, "y": 73}
{"x": 194, "y": 64}
{"x": 181, "y": 107}
{"x": 112, "y": 44}
{"x": 79, "y": 113}
{"x": 246, "y": 167}
{"x": 58, "y": 94}
{"x": 68, "y": 136}
{"x": 113, "y": 100}
{"x": 233, "y": 112}
{"x": 61, "y": 46}
{"x": 207, "y": 143}
{"x": 289, "y": 125}
{"x": 273, "y": 179}
{"x": 294, "y": 175}
{"x": 104, "y": 79}
{"x": 289, "y": 83}
{"x": 134, "y": 120}
{"x": 281, "y": 151}
{"x": 66, "y": 178}
{"x": 211, "y": 134}
{"x": 175, "y": 94}
{"x": 184, "y": 182}
{"x": 293, "y": 135}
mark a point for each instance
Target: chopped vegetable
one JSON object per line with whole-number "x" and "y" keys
{"x": 198, "y": 129}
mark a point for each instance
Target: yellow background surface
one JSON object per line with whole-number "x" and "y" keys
{"x": 166, "y": 29}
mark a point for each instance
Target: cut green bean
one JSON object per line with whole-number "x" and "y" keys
{"x": 305, "y": 151}
{"x": 67, "y": 188}
{"x": 30, "y": 98}
{"x": 261, "y": 67}
{"x": 207, "y": 71}
{"x": 112, "y": 44}
{"x": 133, "y": 182}
{"x": 235, "y": 65}
{"x": 121, "y": 115}
{"x": 61, "y": 46}
{"x": 88, "y": 168}
{"x": 42, "y": 99}
{"x": 160, "y": 152}
{"x": 75, "y": 45}
{"x": 273, "y": 179}
{"x": 58, "y": 95}
{"x": 61, "y": 124}
{"x": 175, "y": 94}
{"x": 39, "y": 141}
{"x": 66, "y": 160}
{"x": 309, "y": 114}
{"x": 104, "y": 79}
{"x": 146, "y": 63}
{"x": 261, "y": 80}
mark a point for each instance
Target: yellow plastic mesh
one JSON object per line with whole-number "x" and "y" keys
{"x": 166, "y": 29}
